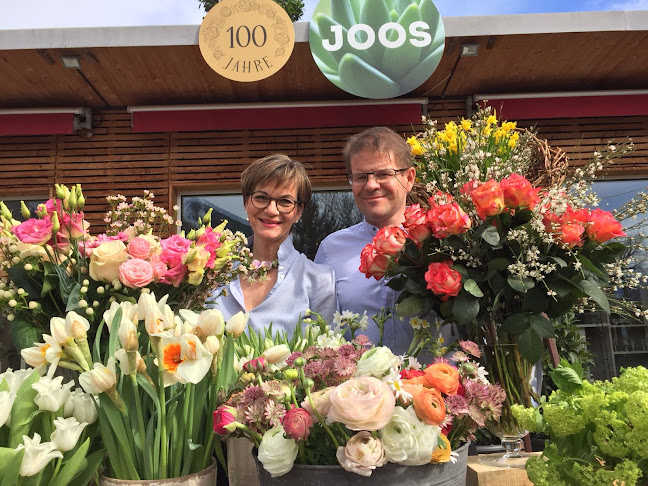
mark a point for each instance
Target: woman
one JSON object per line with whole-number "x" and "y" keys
{"x": 275, "y": 191}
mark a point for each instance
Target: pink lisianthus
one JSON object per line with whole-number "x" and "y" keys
{"x": 33, "y": 231}
{"x": 90, "y": 244}
{"x": 173, "y": 249}
{"x": 364, "y": 403}
{"x": 73, "y": 225}
{"x": 603, "y": 227}
{"x": 297, "y": 423}
{"x": 211, "y": 242}
{"x": 174, "y": 275}
{"x": 136, "y": 273}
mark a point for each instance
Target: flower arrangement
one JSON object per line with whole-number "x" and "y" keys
{"x": 46, "y": 431}
{"x": 156, "y": 381}
{"x": 51, "y": 264}
{"x": 597, "y": 431}
{"x": 319, "y": 399}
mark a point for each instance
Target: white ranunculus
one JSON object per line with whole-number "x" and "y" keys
{"x": 362, "y": 454}
{"x": 6, "y": 402}
{"x": 276, "y": 453}
{"x": 377, "y": 362}
{"x": 66, "y": 433}
{"x": 407, "y": 440}
{"x": 37, "y": 455}
{"x": 52, "y": 393}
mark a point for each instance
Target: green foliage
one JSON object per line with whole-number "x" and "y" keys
{"x": 294, "y": 8}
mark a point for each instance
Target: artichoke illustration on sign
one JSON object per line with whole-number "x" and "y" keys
{"x": 246, "y": 40}
{"x": 377, "y": 48}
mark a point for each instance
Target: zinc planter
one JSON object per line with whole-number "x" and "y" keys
{"x": 206, "y": 477}
{"x": 447, "y": 474}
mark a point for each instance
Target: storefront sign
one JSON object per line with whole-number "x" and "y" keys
{"x": 377, "y": 48}
{"x": 246, "y": 40}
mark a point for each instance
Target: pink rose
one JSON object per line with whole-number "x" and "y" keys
{"x": 297, "y": 423}
{"x": 372, "y": 263}
{"x": 159, "y": 268}
{"x": 362, "y": 454}
{"x": 34, "y": 231}
{"x": 488, "y": 199}
{"x": 224, "y": 419}
{"x": 389, "y": 240}
{"x": 136, "y": 273}
{"x": 139, "y": 248}
{"x": 448, "y": 219}
{"x": 603, "y": 227}
{"x": 519, "y": 193}
{"x": 443, "y": 280}
{"x": 416, "y": 223}
{"x": 364, "y": 403}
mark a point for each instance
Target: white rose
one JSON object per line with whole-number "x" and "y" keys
{"x": 407, "y": 440}
{"x": 276, "y": 453}
{"x": 377, "y": 362}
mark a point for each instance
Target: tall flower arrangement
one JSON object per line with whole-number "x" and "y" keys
{"x": 52, "y": 265}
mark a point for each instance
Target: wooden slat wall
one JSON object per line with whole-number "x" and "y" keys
{"x": 115, "y": 160}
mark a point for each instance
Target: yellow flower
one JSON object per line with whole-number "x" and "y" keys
{"x": 492, "y": 119}
{"x": 488, "y": 130}
{"x": 451, "y": 127}
{"x": 508, "y": 126}
{"x": 442, "y": 454}
{"x": 499, "y": 133}
{"x": 411, "y": 141}
{"x": 466, "y": 124}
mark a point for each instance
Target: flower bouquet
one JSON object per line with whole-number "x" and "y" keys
{"x": 597, "y": 431}
{"x": 46, "y": 431}
{"x": 51, "y": 264}
{"x": 320, "y": 400}
{"x": 156, "y": 382}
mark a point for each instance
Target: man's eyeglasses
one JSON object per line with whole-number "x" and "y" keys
{"x": 261, "y": 200}
{"x": 380, "y": 176}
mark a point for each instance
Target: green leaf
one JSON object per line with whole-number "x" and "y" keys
{"x": 10, "y": 477}
{"x": 416, "y": 286}
{"x": 21, "y": 279}
{"x": 596, "y": 268}
{"x": 544, "y": 327}
{"x": 227, "y": 374}
{"x": 24, "y": 334}
{"x": 93, "y": 461}
{"x": 566, "y": 377}
{"x": 50, "y": 282}
{"x": 72, "y": 466}
{"x": 465, "y": 308}
{"x": 410, "y": 306}
{"x": 22, "y": 409}
{"x": 536, "y": 300}
{"x": 520, "y": 284}
{"x": 7, "y": 455}
{"x": 66, "y": 284}
{"x": 397, "y": 283}
{"x": 530, "y": 345}
{"x": 491, "y": 236}
{"x": 516, "y": 324}
{"x": 113, "y": 338}
{"x": 561, "y": 263}
{"x": 115, "y": 423}
{"x": 472, "y": 288}
{"x": 595, "y": 293}
{"x": 499, "y": 264}
{"x": 74, "y": 298}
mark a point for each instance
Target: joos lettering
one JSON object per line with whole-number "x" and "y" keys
{"x": 417, "y": 30}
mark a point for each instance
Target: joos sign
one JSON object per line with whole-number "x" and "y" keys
{"x": 377, "y": 48}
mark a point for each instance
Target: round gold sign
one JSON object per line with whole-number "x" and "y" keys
{"x": 246, "y": 40}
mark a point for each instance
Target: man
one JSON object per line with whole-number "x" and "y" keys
{"x": 379, "y": 164}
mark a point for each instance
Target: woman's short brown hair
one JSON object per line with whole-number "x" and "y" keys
{"x": 278, "y": 169}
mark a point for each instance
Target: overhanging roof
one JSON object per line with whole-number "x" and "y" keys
{"x": 126, "y": 66}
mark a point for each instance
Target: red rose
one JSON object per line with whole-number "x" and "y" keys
{"x": 416, "y": 223}
{"x": 255, "y": 365}
{"x": 448, "y": 219}
{"x": 519, "y": 193}
{"x": 409, "y": 374}
{"x": 389, "y": 240}
{"x": 488, "y": 199}
{"x": 297, "y": 423}
{"x": 224, "y": 420}
{"x": 372, "y": 263}
{"x": 443, "y": 280}
{"x": 603, "y": 227}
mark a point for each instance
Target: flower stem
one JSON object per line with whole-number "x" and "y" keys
{"x": 162, "y": 421}
{"x": 140, "y": 417}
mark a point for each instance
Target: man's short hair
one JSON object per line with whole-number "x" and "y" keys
{"x": 278, "y": 169}
{"x": 378, "y": 139}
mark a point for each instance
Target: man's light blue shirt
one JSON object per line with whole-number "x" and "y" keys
{"x": 301, "y": 284}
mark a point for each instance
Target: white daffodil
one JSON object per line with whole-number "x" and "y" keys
{"x": 130, "y": 311}
{"x": 184, "y": 359}
{"x": 76, "y": 325}
{"x": 6, "y": 402}
{"x": 66, "y": 433}
{"x": 35, "y": 356}
{"x": 236, "y": 324}
{"x": 100, "y": 379}
{"x": 52, "y": 393}
{"x": 58, "y": 332}
{"x": 37, "y": 455}
{"x": 128, "y": 335}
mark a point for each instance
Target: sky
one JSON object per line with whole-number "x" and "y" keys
{"x": 40, "y": 14}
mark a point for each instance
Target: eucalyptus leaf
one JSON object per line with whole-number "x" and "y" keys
{"x": 530, "y": 345}
{"x": 410, "y": 306}
{"x": 472, "y": 288}
{"x": 491, "y": 236}
{"x": 465, "y": 308}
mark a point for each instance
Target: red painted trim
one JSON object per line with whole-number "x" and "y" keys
{"x": 570, "y": 106}
{"x": 288, "y": 117}
{"x": 37, "y": 124}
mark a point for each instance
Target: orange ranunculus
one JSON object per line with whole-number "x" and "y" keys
{"x": 415, "y": 380}
{"x": 442, "y": 280}
{"x": 488, "y": 199}
{"x": 428, "y": 404}
{"x": 519, "y": 193}
{"x": 442, "y": 455}
{"x": 603, "y": 227}
{"x": 448, "y": 219}
{"x": 444, "y": 377}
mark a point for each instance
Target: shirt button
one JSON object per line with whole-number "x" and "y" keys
{"x": 280, "y": 267}
{"x": 281, "y": 276}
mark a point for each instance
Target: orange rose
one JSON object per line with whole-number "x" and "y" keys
{"x": 519, "y": 193}
{"x": 443, "y": 280}
{"x": 444, "y": 377}
{"x": 571, "y": 234}
{"x": 372, "y": 263}
{"x": 488, "y": 199}
{"x": 603, "y": 227}
{"x": 416, "y": 223}
{"x": 442, "y": 455}
{"x": 448, "y": 219}
{"x": 389, "y": 240}
{"x": 428, "y": 404}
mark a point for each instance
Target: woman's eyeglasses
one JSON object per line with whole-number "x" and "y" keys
{"x": 284, "y": 205}
{"x": 380, "y": 176}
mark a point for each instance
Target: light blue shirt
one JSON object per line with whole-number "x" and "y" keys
{"x": 301, "y": 284}
{"x": 357, "y": 293}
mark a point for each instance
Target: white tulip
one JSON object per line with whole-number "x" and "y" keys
{"x": 15, "y": 379}
{"x": 277, "y": 354}
{"x": 66, "y": 433}
{"x": 82, "y": 406}
{"x": 100, "y": 379}
{"x": 210, "y": 322}
{"x": 6, "y": 402}
{"x": 52, "y": 393}
{"x": 276, "y": 453}
{"x": 37, "y": 455}
{"x": 236, "y": 324}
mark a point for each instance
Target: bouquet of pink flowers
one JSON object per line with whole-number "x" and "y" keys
{"x": 351, "y": 404}
{"x": 51, "y": 264}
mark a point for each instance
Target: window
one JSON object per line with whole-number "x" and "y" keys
{"x": 328, "y": 211}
